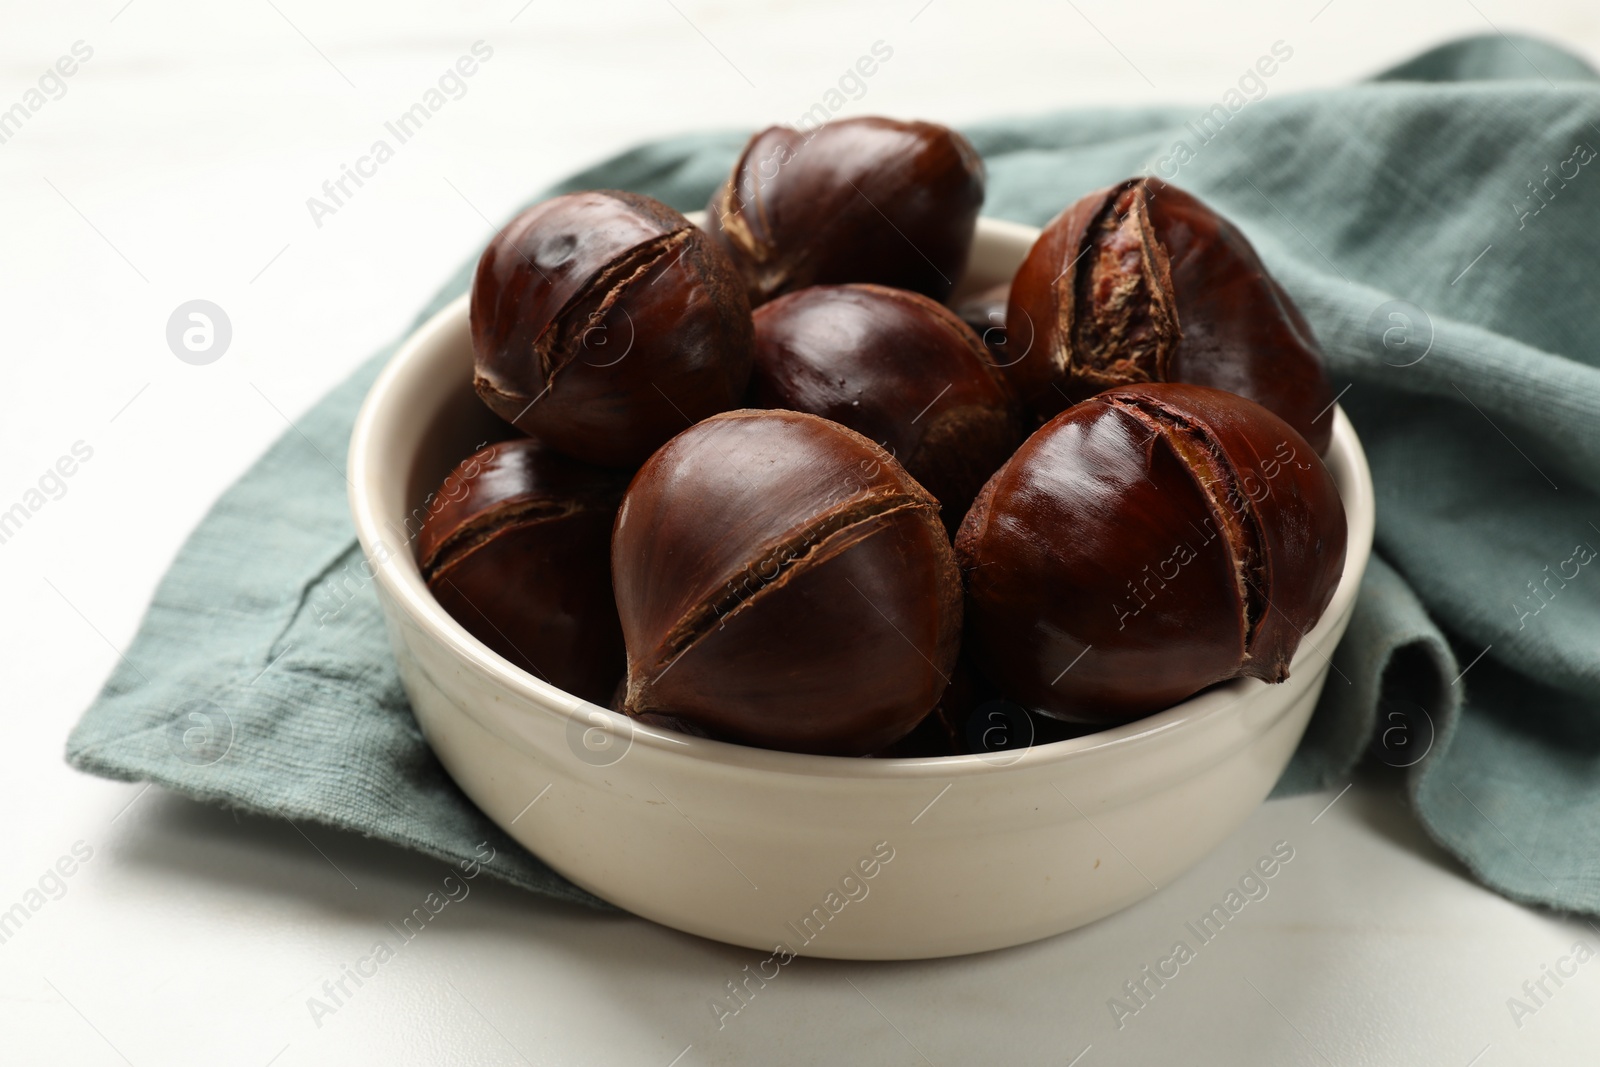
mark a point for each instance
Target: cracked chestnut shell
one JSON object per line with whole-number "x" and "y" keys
{"x": 783, "y": 582}
{"x": 1145, "y": 544}
{"x": 857, "y": 200}
{"x": 1141, "y": 282}
{"x": 604, "y": 323}
{"x": 896, "y": 367}
{"x": 516, "y": 547}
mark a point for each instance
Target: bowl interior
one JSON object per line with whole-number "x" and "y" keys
{"x": 422, "y": 418}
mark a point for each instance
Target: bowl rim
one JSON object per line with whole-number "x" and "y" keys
{"x": 401, "y": 577}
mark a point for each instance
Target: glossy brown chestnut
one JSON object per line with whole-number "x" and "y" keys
{"x": 783, "y": 582}
{"x": 604, "y": 323}
{"x": 515, "y": 547}
{"x": 1145, "y": 544}
{"x": 1142, "y": 282}
{"x": 897, "y": 367}
{"x": 857, "y": 200}
{"x": 942, "y": 731}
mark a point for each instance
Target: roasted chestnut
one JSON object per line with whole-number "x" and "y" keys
{"x": 516, "y": 547}
{"x": 897, "y": 367}
{"x": 1142, "y": 282}
{"x": 1145, "y": 544}
{"x": 856, "y": 200}
{"x": 941, "y": 731}
{"x": 782, "y": 581}
{"x": 604, "y": 323}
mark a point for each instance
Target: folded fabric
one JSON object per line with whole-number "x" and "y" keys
{"x": 1436, "y": 225}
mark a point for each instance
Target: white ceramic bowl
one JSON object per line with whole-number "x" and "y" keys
{"x": 824, "y": 856}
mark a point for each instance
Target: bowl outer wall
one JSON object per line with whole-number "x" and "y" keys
{"x": 738, "y": 844}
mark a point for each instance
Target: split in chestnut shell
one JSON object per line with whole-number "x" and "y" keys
{"x": 1145, "y": 544}
{"x": 783, "y": 582}
{"x": 855, "y": 200}
{"x": 604, "y": 322}
{"x": 1143, "y": 282}
{"x": 515, "y": 547}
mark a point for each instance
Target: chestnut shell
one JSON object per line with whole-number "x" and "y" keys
{"x": 1142, "y": 282}
{"x": 604, "y": 322}
{"x": 783, "y": 582}
{"x": 855, "y": 200}
{"x": 516, "y": 547}
{"x": 896, "y": 367}
{"x": 1145, "y": 544}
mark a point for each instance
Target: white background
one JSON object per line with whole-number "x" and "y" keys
{"x": 177, "y": 166}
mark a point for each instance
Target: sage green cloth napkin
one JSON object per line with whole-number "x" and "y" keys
{"x": 1440, "y": 227}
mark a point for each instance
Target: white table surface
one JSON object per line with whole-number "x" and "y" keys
{"x": 177, "y": 165}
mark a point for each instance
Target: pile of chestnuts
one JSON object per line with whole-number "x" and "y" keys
{"x": 772, "y": 490}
